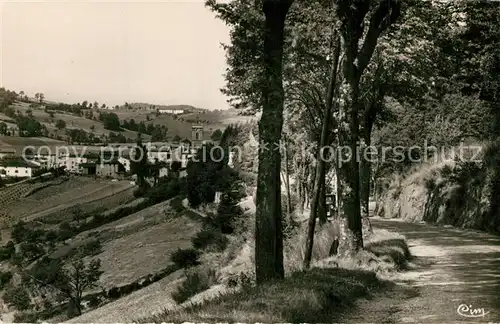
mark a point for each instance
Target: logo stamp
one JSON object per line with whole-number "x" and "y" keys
{"x": 468, "y": 311}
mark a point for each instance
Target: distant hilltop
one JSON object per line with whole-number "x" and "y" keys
{"x": 171, "y": 109}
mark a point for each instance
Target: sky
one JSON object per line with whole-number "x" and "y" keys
{"x": 159, "y": 52}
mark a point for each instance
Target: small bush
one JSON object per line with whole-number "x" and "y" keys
{"x": 127, "y": 289}
{"x": 31, "y": 251}
{"x": 66, "y": 231}
{"x": 227, "y": 213}
{"x": 100, "y": 219}
{"x": 94, "y": 301}
{"x": 243, "y": 279}
{"x": 5, "y": 278}
{"x": 7, "y": 251}
{"x": 51, "y": 237}
{"x": 114, "y": 293}
{"x": 195, "y": 283}
{"x": 185, "y": 258}
{"x": 91, "y": 248}
{"x": 17, "y": 297}
{"x": 25, "y": 317}
{"x": 209, "y": 237}
{"x": 156, "y": 277}
{"x": 177, "y": 205}
{"x": 446, "y": 171}
{"x": 164, "y": 191}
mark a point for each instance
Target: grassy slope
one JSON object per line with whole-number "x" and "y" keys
{"x": 145, "y": 252}
{"x": 138, "y": 244}
{"x": 20, "y": 143}
{"x": 140, "y": 303}
{"x": 16, "y": 141}
{"x": 310, "y": 297}
{"x": 318, "y": 295}
{"x": 4, "y": 118}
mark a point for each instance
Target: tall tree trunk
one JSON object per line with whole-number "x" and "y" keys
{"x": 320, "y": 168}
{"x": 358, "y": 55}
{"x": 322, "y": 199}
{"x": 494, "y": 211}
{"x": 269, "y": 228}
{"x": 287, "y": 182}
{"x": 300, "y": 189}
{"x": 348, "y": 164}
{"x": 352, "y": 236}
{"x": 365, "y": 177}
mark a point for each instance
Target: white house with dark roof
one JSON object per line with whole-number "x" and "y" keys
{"x": 17, "y": 168}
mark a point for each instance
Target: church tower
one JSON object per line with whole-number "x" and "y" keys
{"x": 197, "y": 135}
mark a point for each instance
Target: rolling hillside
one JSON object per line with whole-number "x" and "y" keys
{"x": 72, "y": 122}
{"x": 179, "y": 125}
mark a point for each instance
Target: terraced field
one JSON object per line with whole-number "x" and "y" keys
{"x": 56, "y": 201}
{"x": 11, "y": 196}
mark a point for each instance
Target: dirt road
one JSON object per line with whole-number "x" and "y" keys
{"x": 455, "y": 277}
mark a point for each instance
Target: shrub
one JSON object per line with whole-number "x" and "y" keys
{"x": 16, "y": 259}
{"x": 46, "y": 270}
{"x": 164, "y": 191}
{"x": 126, "y": 289}
{"x": 175, "y": 166}
{"x": 91, "y": 248}
{"x": 18, "y": 231}
{"x": 66, "y": 231}
{"x": 5, "y": 278}
{"x": 31, "y": 251}
{"x": 94, "y": 301}
{"x": 51, "y": 237}
{"x": 243, "y": 279}
{"x": 156, "y": 277}
{"x": 114, "y": 293}
{"x": 249, "y": 178}
{"x": 7, "y": 251}
{"x": 195, "y": 283}
{"x": 177, "y": 205}
{"x": 210, "y": 237}
{"x": 293, "y": 199}
{"x": 17, "y": 297}
{"x": 100, "y": 219}
{"x": 185, "y": 258}
{"x": 25, "y": 317}
{"x": 227, "y": 212}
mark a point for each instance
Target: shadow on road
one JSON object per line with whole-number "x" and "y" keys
{"x": 452, "y": 267}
